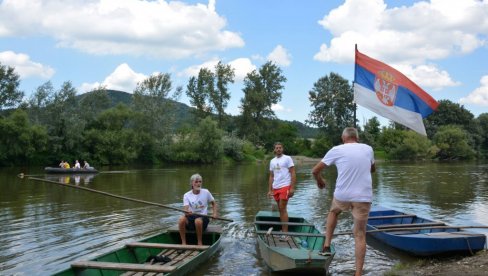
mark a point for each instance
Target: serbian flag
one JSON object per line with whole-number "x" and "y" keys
{"x": 389, "y": 93}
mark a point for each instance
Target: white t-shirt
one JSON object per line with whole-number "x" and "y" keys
{"x": 281, "y": 173}
{"x": 198, "y": 202}
{"x": 353, "y": 162}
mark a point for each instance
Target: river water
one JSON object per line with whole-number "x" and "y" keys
{"x": 44, "y": 227}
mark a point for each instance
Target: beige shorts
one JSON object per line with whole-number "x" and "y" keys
{"x": 359, "y": 210}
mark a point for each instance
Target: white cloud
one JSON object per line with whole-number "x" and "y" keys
{"x": 241, "y": 66}
{"x": 24, "y": 66}
{"x": 168, "y": 29}
{"x": 280, "y": 108}
{"x": 479, "y": 96}
{"x": 123, "y": 78}
{"x": 427, "y": 76}
{"x": 280, "y": 56}
{"x": 414, "y": 35}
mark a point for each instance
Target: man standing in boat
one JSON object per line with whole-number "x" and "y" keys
{"x": 195, "y": 202}
{"x": 281, "y": 183}
{"x": 355, "y": 163}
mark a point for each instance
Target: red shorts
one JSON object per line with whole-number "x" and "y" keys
{"x": 281, "y": 193}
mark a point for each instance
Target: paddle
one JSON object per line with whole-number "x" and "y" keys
{"x": 122, "y": 197}
{"x": 414, "y": 228}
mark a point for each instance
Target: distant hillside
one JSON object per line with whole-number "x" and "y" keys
{"x": 184, "y": 114}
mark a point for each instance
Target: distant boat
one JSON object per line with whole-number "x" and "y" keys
{"x": 162, "y": 254}
{"x": 420, "y": 236}
{"x": 298, "y": 254}
{"x": 69, "y": 171}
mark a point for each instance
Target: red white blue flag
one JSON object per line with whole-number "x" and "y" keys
{"x": 389, "y": 93}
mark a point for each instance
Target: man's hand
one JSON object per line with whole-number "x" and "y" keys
{"x": 321, "y": 183}
{"x": 291, "y": 192}
{"x": 270, "y": 194}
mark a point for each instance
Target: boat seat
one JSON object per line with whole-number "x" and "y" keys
{"x": 384, "y": 226}
{"x": 392, "y": 216}
{"x": 167, "y": 246}
{"x": 124, "y": 266}
{"x": 211, "y": 228}
{"x": 294, "y": 234}
{"x": 282, "y": 223}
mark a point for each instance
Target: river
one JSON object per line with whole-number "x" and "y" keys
{"x": 44, "y": 227}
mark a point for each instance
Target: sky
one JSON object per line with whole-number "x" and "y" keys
{"x": 442, "y": 45}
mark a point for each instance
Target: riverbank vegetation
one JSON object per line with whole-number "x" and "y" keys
{"x": 149, "y": 125}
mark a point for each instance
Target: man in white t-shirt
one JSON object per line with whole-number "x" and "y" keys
{"x": 281, "y": 183}
{"x": 195, "y": 204}
{"x": 355, "y": 163}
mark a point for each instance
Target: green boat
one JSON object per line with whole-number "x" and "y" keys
{"x": 297, "y": 254}
{"x": 162, "y": 254}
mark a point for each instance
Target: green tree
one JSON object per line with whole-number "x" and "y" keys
{"x": 199, "y": 90}
{"x": 210, "y": 147}
{"x": 332, "y": 101}
{"x": 220, "y": 96}
{"x": 261, "y": 90}
{"x": 10, "y": 95}
{"x": 413, "y": 146}
{"x": 20, "y": 142}
{"x": 452, "y": 143}
{"x": 93, "y": 103}
{"x": 371, "y": 132}
{"x": 483, "y": 124}
{"x": 38, "y": 104}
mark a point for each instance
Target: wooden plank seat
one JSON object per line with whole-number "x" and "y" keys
{"x": 384, "y": 226}
{"x": 211, "y": 228}
{"x": 124, "y": 266}
{"x": 283, "y": 223}
{"x": 168, "y": 246}
{"x": 392, "y": 216}
{"x": 294, "y": 234}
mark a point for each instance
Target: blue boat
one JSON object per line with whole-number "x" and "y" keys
{"x": 420, "y": 236}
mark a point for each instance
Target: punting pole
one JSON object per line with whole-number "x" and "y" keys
{"x": 122, "y": 197}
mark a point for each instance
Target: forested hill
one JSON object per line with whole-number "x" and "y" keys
{"x": 184, "y": 113}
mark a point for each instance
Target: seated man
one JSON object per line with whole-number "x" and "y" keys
{"x": 77, "y": 165}
{"x": 196, "y": 202}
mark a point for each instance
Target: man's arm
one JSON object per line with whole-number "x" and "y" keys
{"x": 317, "y": 169}
{"x": 214, "y": 209}
{"x": 373, "y": 167}
{"x": 293, "y": 181}
{"x": 270, "y": 183}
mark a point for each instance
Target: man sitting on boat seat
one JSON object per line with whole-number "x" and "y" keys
{"x": 66, "y": 165}
{"x": 61, "y": 165}
{"x": 86, "y": 165}
{"x": 77, "y": 165}
{"x": 196, "y": 202}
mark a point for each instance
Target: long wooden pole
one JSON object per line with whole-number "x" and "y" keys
{"x": 415, "y": 228}
{"x": 122, "y": 197}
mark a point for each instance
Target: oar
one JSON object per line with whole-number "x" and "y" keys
{"x": 415, "y": 228}
{"x": 122, "y": 197}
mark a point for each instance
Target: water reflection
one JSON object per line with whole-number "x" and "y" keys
{"x": 77, "y": 179}
{"x": 63, "y": 225}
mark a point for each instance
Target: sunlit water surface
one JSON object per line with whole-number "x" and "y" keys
{"x": 44, "y": 227}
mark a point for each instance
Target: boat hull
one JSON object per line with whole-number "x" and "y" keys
{"x": 183, "y": 261}
{"x": 69, "y": 171}
{"x": 292, "y": 255}
{"x": 426, "y": 241}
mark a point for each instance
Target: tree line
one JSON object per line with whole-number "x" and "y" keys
{"x": 54, "y": 123}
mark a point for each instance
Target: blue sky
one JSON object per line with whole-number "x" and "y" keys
{"x": 439, "y": 44}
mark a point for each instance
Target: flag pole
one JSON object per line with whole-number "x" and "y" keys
{"x": 355, "y": 106}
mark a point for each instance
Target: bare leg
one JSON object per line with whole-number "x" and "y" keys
{"x": 329, "y": 229}
{"x": 283, "y": 214}
{"x": 199, "y": 230}
{"x": 182, "y": 228}
{"x": 360, "y": 244}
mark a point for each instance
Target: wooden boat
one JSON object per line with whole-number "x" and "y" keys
{"x": 299, "y": 254}
{"x": 132, "y": 258}
{"x": 69, "y": 171}
{"x": 420, "y": 236}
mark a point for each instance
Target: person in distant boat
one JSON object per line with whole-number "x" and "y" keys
{"x": 195, "y": 202}
{"x": 61, "y": 165}
{"x": 353, "y": 190}
{"x": 66, "y": 165}
{"x": 86, "y": 165}
{"x": 77, "y": 165}
{"x": 281, "y": 183}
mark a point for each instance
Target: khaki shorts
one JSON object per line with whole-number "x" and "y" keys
{"x": 359, "y": 210}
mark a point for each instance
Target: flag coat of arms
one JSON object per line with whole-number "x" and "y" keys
{"x": 389, "y": 93}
